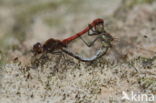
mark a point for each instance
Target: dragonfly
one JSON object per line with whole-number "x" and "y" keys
{"x": 96, "y": 27}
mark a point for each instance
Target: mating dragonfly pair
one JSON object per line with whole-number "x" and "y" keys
{"x": 94, "y": 28}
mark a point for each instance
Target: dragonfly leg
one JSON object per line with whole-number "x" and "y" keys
{"x": 91, "y": 43}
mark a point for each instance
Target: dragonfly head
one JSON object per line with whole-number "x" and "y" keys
{"x": 37, "y": 48}
{"x": 98, "y": 25}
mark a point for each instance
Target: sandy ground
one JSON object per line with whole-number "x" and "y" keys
{"x": 129, "y": 66}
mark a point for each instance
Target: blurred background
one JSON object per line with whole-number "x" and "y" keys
{"x": 23, "y": 23}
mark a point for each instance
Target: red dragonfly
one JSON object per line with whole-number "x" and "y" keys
{"x": 97, "y": 28}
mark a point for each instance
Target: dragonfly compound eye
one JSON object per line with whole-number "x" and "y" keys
{"x": 37, "y": 48}
{"x": 99, "y": 28}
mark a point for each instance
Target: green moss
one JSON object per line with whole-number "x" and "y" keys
{"x": 40, "y": 7}
{"x": 3, "y": 58}
{"x": 127, "y": 5}
{"x": 144, "y": 62}
{"x": 52, "y": 21}
{"x": 6, "y": 46}
{"x": 146, "y": 82}
{"x": 25, "y": 17}
{"x": 27, "y": 14}
{"x": 4, "y": 42}
{"x": 132, "y": 3}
